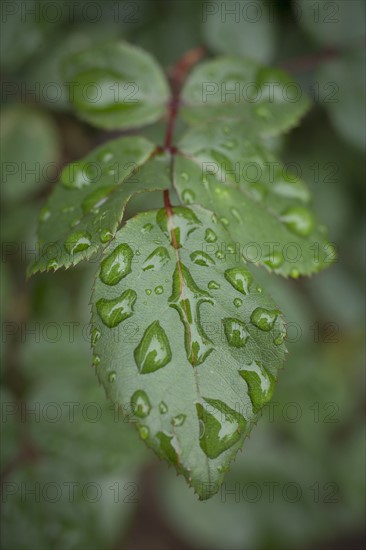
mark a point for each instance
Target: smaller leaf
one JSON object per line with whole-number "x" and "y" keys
{"x": 117, "y": 86}
{"x": 266, "y": 100}
{"x": 84, "y": 211}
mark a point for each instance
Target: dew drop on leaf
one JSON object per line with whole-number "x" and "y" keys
{"x": 274, "y": 259}
{"x": 105, "y": 235}
{"x": 140, "y": 404}
{"x": 144, "y": 432}
{"x": 112, "y": 377}
{"x": 77, "y": 242}
{"x": 188, "y": 196}
{"x": 299, "y": 220}
{"x": 95, "y": 335}
{"x": 237, "y": 302}
{"x": 201, "y": 258}
{"x": 159, "y": 290}
{"x": 117, "y": 265}
{"x": 264, "y": 319}
{"x": 210, "y": 236}
{"x": 153, "y": 351}
{"x": 178, "y": 420}
{"x": 213, "y": 285}
{"x": 235, "y": 332}
{"x": 163, "y": 408}
{"x": 52, "y": 264}
{"x": 222, "y": 427}
{"x": 92, "y": 202}
{"x": 156, "y": 260}
{"x": 239, "y": 278}
{"x": 113, "y": 312}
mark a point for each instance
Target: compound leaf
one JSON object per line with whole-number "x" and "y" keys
{"x": 266, "y": 100}
{"x": 183, "y": 334}
{"x": 87, "y": 205}
{"x": 264, "y": 207}
{"x": 117, "y": 86}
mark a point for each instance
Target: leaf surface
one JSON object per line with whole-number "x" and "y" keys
{"x": 184, "y": 334}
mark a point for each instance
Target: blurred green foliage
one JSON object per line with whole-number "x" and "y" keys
{"x": 311, "y": 438}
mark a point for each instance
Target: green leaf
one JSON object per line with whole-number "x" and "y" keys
{"x": 248, "y": 30}
{"x": 266, "y": 100}
{"x": 264, "y": 207}
{"x": 87, "y": 205}
{"x": 29, "y": 150}
{"x": 117, "y": 86}
{"x": 187, "y": 337}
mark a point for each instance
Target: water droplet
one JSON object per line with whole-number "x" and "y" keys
{"x": 222, "y": 427}
{"x": 229, "y": 144}
{"x": 178, "y": 420}
{"x": 263, "y": 112}
{"x": 140, "y": 404}
{"x": 224, "y": 221}
{"x": 239, "y": 278}
{"x": 147, "y": 228}
{"x": 105, "y": 156}
{"x": 92, "y": 202}
{"x": 77, "y": 242}
{"x": 95, "y": 335}
{"x": 220, "y": 255}
{"x": 184, "y": 176}
{"x": 280, "y": 337}
{"x": 117, "y": 265}
{"x": 259, "y": 289}
{"x": 105, "y": 235}
{"x": 188, "y": 196}
{"x": 197, "y": 344}
{"x": 77, "y": 175}
{"x": 260, "y": 384}
{"x": 159, "y": 290}
{"x": 235, "y": 332}
{"x": 144, "y": 432}
{"x": 53, "y": 264}
{"x": 112, "y": 377}
{"x": 299, "y": 220}
{"x": 153, "y": 352}
{"x": 210, "y": 236}
{"x": 156, "y": 260}
{"x": 237, "y": 302}
{"x": 201, "y": 258}
{"x": 264, "y": 319}
{"x": 44, "y": 214}
{"x": 112, "y": 312}
{"x": 294, "y": 273}
{"x": 213, "y": 285}
{"x": 163, "y": 408}
{"x": 274, "y": 259}
{"x": 148, "y": 291}
{"x": 96, "y": 360}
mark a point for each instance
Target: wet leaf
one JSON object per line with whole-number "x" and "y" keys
{"x": 196, "y": 360}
